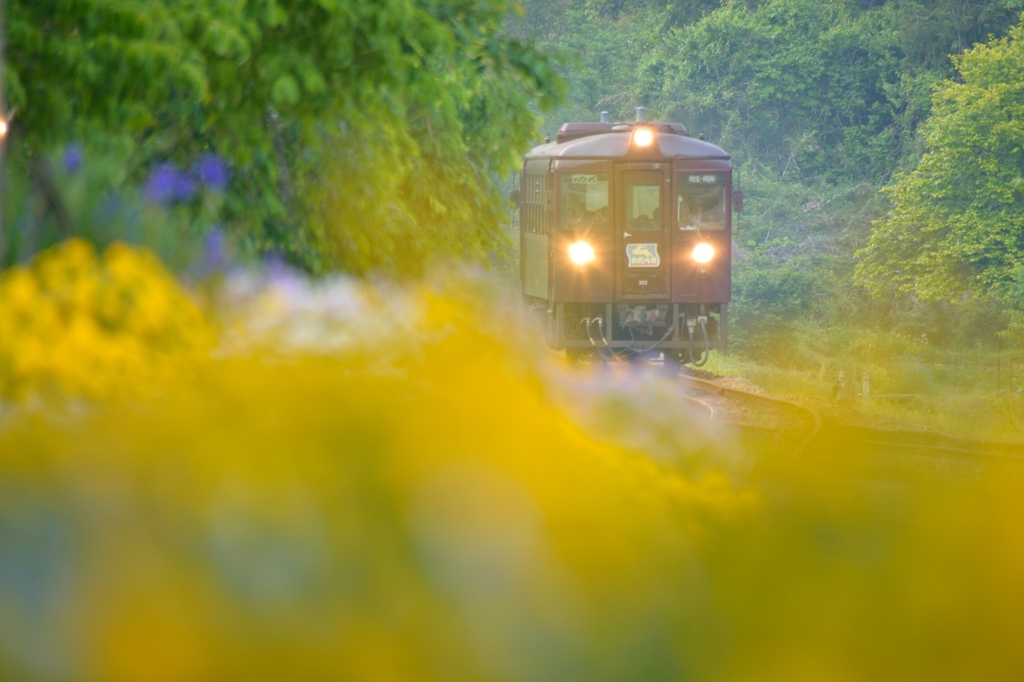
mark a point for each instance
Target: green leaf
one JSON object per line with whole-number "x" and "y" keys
{"x": 285, "y": 91}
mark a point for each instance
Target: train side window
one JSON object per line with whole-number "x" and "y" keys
{"x": 584, "y": 201}
{"x": 534, "y": 194}
{"x": 701, "y": 201}
{"x": 643, "y": 206}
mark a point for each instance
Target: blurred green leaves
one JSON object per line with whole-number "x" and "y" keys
{"x": 296, "y": 94}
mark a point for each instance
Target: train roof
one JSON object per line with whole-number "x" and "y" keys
{"x": 612, "y": 141}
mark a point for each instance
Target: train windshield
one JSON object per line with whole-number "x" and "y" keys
{"x": 584, "y": 201}
{"x": 643, "y": 206}
{"x": 701, "y": 201}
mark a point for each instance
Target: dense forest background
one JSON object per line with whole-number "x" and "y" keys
{"x": 829, "y": 108}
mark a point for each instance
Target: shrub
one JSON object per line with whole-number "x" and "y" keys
{"x": 83, "y": 326}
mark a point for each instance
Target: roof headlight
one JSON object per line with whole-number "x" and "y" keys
{"x": 703, "y": 253}
{"x": 581, "y": 253}
{"x": 643, "y": 137}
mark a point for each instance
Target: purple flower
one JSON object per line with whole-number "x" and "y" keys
{"x": 279, "y": 273}
{"x": 212, "y": 172}
{"x": 214, "y": 249}
{"x": 160, "y": 187}
{"x": 73, "y": 157}
{"x": 167, "y": 184}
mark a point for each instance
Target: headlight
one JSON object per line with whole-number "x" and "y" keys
{"x": 581, "y": 253}
{"x": 703, "y": 252}
{"x": 643, "y": 137}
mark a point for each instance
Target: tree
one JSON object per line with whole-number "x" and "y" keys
{"x": 809, "y": 88}
{"x": 291, "y": 92}
{"x": 956, "y": 227}
{"x": 828, "y": 91}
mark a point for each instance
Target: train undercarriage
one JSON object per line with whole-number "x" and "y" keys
{"x": 682, "y": 332}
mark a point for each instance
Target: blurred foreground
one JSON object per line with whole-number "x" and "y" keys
{"x": 332, "y": 481}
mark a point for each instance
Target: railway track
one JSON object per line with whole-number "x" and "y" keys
{"x": 809, "y": 429}
{"x": 809, "y": 418}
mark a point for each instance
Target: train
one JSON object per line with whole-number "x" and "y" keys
{"x": 625, "y": 233}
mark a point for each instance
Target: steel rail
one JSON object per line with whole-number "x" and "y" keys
{"x": 931, "y": 440}
{"x": 711, "y": 410}
{"x": 869, "y": 435}
{"x": 724, "y": 391}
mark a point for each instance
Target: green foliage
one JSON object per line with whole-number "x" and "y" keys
{"x": 957, "y": 220}
{"x": 84, "y": 191}
{"x": 607, "y": 51}
{"x": 810, "y": 88}
{"x": 415, "y": 85}
{"x": 816, "y": 91}
{"x": 769, "y": 296}
{"x": 931, "y": 31}
{"x": 96, "y": 64}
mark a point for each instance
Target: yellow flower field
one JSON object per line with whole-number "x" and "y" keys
{"x": 353, "y": 483}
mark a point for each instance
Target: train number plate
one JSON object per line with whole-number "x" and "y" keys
{"x": 643, "y": 255}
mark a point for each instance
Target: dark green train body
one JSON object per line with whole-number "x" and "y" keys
{"x": 626, "y": 239}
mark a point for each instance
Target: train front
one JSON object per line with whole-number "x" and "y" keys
{"x": 626, "y": 233}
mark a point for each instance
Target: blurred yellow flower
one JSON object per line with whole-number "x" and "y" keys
{"x": 81, "y": 325}
{"x": 371, "y": 484}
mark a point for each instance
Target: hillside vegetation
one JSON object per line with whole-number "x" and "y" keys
{"x": 879, "y": 147}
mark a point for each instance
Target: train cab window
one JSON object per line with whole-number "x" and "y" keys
{"x": 701, "y": 201}
{"x": 584, "y": 201}
{"x": 643, "y": 206}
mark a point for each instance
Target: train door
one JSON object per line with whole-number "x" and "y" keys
{"x": 643, "y": 256}
{"x": 536, "y": 201}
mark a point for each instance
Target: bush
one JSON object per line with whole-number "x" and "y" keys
{"x": 76, "y": 325}
{"x": 769, "y": 300}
